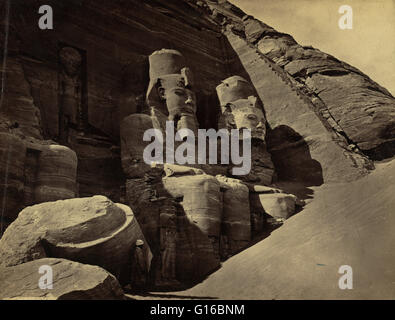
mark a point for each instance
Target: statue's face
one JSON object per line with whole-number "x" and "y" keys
{"x": 71, "y": 60}
{"x": 180, "y": 101}
{"x": 250, "y": 117}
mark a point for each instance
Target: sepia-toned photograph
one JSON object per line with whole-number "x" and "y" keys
{"x": 163, "y": 150}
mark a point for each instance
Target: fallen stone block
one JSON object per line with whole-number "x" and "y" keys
{"x": 59, "y": 279}
{"x": 88, "y": 230}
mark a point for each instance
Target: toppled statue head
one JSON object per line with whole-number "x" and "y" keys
{"x": 71, "y": 60}
{"x": 171, "y": 86}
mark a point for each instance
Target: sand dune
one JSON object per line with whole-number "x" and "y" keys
{"x": 345, "y": 224}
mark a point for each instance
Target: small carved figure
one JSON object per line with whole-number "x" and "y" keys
{"x": 257, "y": 221}
{"x": 70, "y": 91}
{"x": 139, "y": 267}
{"x": 168, "y": 240}
{"x": 224, "y": 247}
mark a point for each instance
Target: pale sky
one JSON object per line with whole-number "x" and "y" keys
{"x": 369, "y": 46}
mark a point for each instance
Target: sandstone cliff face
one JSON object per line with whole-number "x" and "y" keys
{"x": 18, "y": 109}
{"x": 354, "y": 105}
{"x": 114, "y": 78}
{"x": 357, "y": 106}
{"x": 298, "y": 134}
{"x": 12, "y": 169}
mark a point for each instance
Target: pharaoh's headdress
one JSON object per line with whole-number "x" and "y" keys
{"x": 165, "y": 62}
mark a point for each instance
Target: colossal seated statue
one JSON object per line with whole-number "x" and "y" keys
{"x": 188, "y": 246}
{"x": 191, "y": 214}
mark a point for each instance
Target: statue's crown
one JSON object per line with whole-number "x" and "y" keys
{"x": 234, "y": 88}
{"x": 165, "y": 61}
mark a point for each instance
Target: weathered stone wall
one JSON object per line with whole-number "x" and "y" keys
{"x": 114, "y": 44}
{"x": 116, "y": 39}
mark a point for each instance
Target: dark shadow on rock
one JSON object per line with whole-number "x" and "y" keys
{"x": 208, "y": 111}
{"x": 296, "y": 170}
{"x": 299, "y": 189}
{"x": 382, "y": 152}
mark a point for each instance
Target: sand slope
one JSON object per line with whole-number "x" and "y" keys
{"x": 345, "y": 224}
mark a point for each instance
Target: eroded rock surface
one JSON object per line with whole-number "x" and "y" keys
{"x": 277, "y": 205}
{"x": 12, "y": 167}
{"x": 71, "y": 281}
{"x": 56, "y": 175}
{"x": 17, "y": 103}
{"x": 34, "y": 171}
{"x": 349, "y": 100}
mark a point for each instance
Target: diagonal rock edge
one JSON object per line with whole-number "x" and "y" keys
{"x": 358, "y": 110}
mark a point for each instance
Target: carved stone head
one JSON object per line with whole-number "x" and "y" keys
{"x": 171, "y": 85}
{"x": 246, "y": 114}
{"x": 71, "y": 60}
{"x": 180, "y": 101}
{"x": 240, "y": 108}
